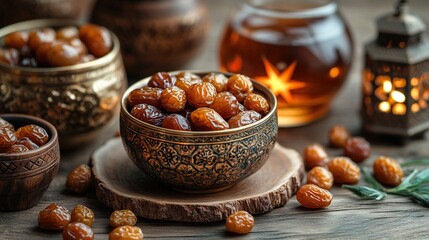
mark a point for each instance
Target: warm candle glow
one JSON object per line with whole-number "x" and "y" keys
{"x": 384, "y": 107}
{"x": 334, "y": 72}
{"x": 414, "y": 81}
{"x": 415, "y": 93}
{"x": 399, "y": 109}
{"x": 399, "y": 82}
{"x": 381, "y": 94}
{"x": 415, "y": 107}
{"x": 387, "y": 86}
{"x": 397, "y": 96}
{"x": 381, "y": 79}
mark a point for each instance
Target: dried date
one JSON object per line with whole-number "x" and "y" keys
{"x": 96, "y": 38}
{"x": 82, "y": 214}
{"x": 387, "y": 171}
{"x": 148, "y": 114}
{"x": 62, "y": 55}
{"x": 27, "y": 143}
{"x": 207, "y": 119}
{"x": 17, "y": 148}
{"x": 77, "y": 231}
{"x": 79, "y": 179}
{"x": 244, "y": 118}
{"x": 320, "y": 177}
{"x": 357, "y": 149}
{"x": 176, "y": 122}
{"x": 338, "y": 136}
{"x": 122, "y": 218}
{"x": 312, "y": 196}
{"x": 240, "y": 222}
{"x": 148, "y": 95}
{"x": 35, "y": 133}
{"x": 226, "y": 105}
{"x": 4, "y": 123}
{"x": 162, "y": 80}
{"x": 201, "y": 95}
{"x": 218, "y": 80}
{"x": 126, "y": 232}
{"x": 9, "y": 56}
{"x": 257, "y": 103}
{"x": 67, "y": 33}
{"x": 7, "y": 138}
{"x": 16, "y": 40}
{"x": 173, "y": 99}
{"x": 40, "y": 36}
{"x": 53, "y": 217}
{"x": 315, "y": 155}
{"x": 240, "y": 86}
{"x": 344, "y": 170}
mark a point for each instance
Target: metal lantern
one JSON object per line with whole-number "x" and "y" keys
{"x": 396, "y": 76}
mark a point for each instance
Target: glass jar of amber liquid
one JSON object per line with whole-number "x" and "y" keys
{"x": 301, "y": 49}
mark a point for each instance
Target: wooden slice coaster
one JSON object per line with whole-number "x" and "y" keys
{"x": 121, "y": 185}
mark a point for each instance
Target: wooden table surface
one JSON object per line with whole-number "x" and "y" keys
{"x": 348, "y": 217}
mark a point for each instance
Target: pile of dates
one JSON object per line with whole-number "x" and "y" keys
{"x": 47, "y": 47}
{"x": 188, "y": 102}
{"x": 23, "y": 139}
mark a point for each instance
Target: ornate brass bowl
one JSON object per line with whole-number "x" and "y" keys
{"x": 24, "y": 177}
{"x": 200, "y": 161}
{"x": 79, "y": 100}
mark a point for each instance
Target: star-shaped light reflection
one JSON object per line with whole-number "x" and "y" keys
{"x": 280, "y": 83}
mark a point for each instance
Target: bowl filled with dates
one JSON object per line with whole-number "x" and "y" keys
{"x": 198, "y": 131}
{"x": 29, "y": 160}
{"x": 69, "y": 74}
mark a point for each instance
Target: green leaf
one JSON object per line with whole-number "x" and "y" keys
{"x": 421, "y": 178}
{"x": 420, "y": 198}
{"x": 415, "y": 162}
{"x": 366, "y": 192}
{"x": 371, "y": 180}
{"x": 423, "y": 189}
{"x": 404, "y": 185}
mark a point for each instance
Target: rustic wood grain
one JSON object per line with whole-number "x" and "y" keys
{"x": 348, "y": 217}
{"x": 120, "y": 184}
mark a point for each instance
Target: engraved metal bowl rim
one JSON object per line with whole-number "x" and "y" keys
{"x": 143, "y": 82}
{"x": 53, "y": 137}
{"x": 40, "y": 23}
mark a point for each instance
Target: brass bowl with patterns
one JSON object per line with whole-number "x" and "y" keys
{"x": 199, "y": 161}
{"x": 79, "y": 100}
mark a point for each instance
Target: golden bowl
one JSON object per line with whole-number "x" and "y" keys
{"x": 24, "y": 177}
{"x": 199, "y": 161}
{"x": 79, "y": 100}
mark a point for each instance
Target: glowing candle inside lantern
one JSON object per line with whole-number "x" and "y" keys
{"x": 399, "y": 109}
{"x": 387, "y": 86}
{"x": 398, "y": 96}
{"x": 384, "y": 107}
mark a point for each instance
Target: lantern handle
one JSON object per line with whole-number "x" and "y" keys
{"x": 401, "y": 8}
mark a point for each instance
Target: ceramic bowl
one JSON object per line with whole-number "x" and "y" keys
{"x": 24, "y": 177}
{"x": 23, "y": 10}
{"x": 162, "y": 35}
{"x": 79, "y": 100}
{"x": 199, "y": 161}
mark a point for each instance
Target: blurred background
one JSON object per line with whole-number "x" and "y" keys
{"x": 189, "y": 31}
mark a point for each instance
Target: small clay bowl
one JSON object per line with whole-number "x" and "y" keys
{"x": 24, "y": 177}
{"x": 199, "y": 161}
